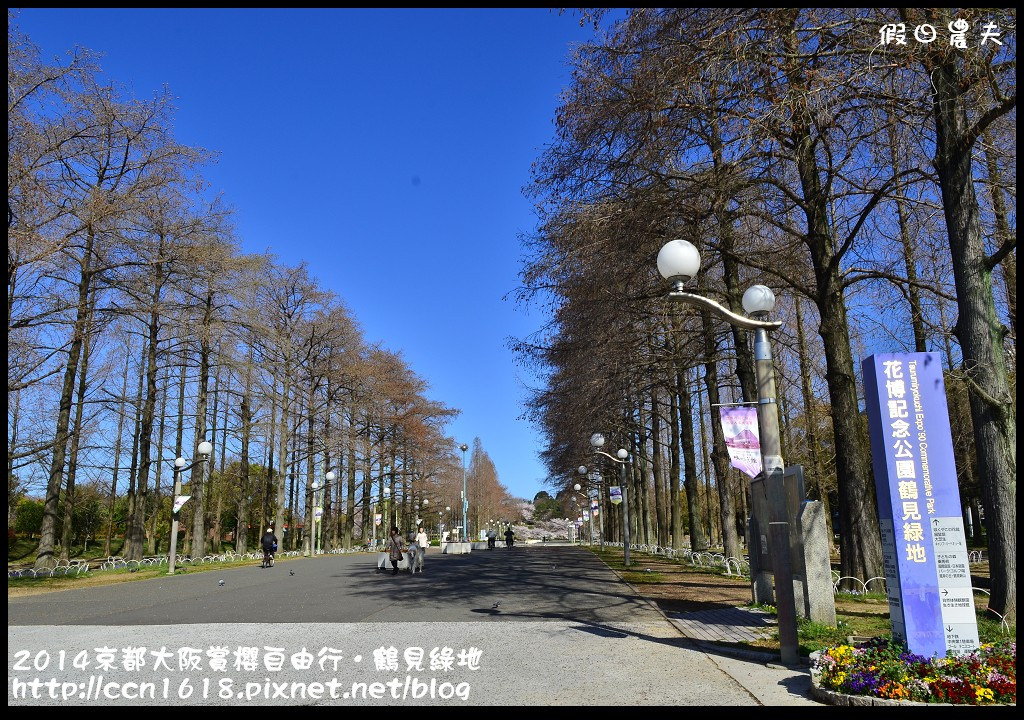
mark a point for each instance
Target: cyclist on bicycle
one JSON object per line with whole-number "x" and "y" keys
{"x": 269, "y": 542}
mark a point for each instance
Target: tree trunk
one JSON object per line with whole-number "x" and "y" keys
{"x": 215, "y": 529}
{"x": 48, "y": 529}
{"x": 76, "y": 437}
{"x": 909, "y": 261}
{"x": 368, "y": 521}
{"x": 692, "y": 484}
{"x": 817, "y": 469}
{"x": 282, "y": 459}
{"x": 719, "y": 452}
{"x": 117, "y": 453}
{"x": 675, "y": 471}
{"x": 153, "y": 544}
{"x": 200, "y": 470}
{"x": 133, "y": 469}
{"x": 860, "y": 539}
{"x": 269, "y": 514}
{"x": 661, "y": 512}
{"x": 981, "y": 336}
{"x": 709, "y": 511}
{"x": 350, "y": 499}
{"x": 640, "y": 465}
{"x": 1003, "y": 231}
{"x": 310, "y": 530}
{"x": 137, "y": 527}
{"x": 245, "y": 417}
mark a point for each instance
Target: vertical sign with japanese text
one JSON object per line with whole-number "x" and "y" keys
{"x": 923, "y": 544}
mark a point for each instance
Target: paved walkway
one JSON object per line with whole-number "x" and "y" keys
{"x": 738, "y": 625}
{"x": 530, "y": 626}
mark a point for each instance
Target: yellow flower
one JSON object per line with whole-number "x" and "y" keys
{"x": 983, "y": 694}
{"x": 841, "y": 654}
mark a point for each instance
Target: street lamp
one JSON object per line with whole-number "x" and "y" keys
{"x": 419, "y": 511}
{"x": 678, "y": 262}
{"x": 594, "y": 477}
{"x": 205, "y": 450}
{"x": 448, "y": 513}
{"x": 318, "y": 512}
{"x": 597, "y": 442}
{"x": 586, "y": 509}
{"x": 465, "y": 501}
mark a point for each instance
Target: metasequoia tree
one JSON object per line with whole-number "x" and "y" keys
{"x": 778, "y": 143}
{"x": 115, "y": 159}
{"x": 970, "y": 90}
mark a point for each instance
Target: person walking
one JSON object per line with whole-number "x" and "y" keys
{"x": 422, "y": 540}
{"x": 395, "y": 545}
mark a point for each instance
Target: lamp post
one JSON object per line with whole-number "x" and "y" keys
{"x": 318, "y": 501}
{"x": 313, "y": 534}
{"x": 420, "y": 511}
{"x": 596, "y": 479}
{"x": 448, "y": 510}
{"x": 205, "y": 450}
{"x": 678, "y": 262}
{"x": 597, "y": 442}
{"x": 586, "y": 508}
{"x": 465, "y": 501}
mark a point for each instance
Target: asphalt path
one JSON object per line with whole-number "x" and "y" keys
{"x": 527, "y": 626}
{"x": 547, "y": 583}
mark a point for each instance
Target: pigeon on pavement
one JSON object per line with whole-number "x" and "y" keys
{"x": 496, "y": 605}
{"x": 291, "y": 572}
{"x": 220, "y": 582}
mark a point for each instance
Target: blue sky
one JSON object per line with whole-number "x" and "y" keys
{"x": 388, "y": 149}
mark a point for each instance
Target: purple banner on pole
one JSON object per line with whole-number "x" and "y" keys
{"x": 739, "y": 424}
{"x": 928, "y": 580}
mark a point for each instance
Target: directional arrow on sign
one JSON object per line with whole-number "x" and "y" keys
{"x": 935, "y": 521}
{"x": 945, "y": 592}
{"x": 949, "y": 629}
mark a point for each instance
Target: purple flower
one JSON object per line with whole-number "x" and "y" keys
{"x": 863, "y": 683}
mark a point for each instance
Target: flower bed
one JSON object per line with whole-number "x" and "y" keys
{"x": 883, "y": 669}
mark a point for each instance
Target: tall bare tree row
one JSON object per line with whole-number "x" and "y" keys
{"x": 137, "y": 330}
{"x": 793, "y": 149}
